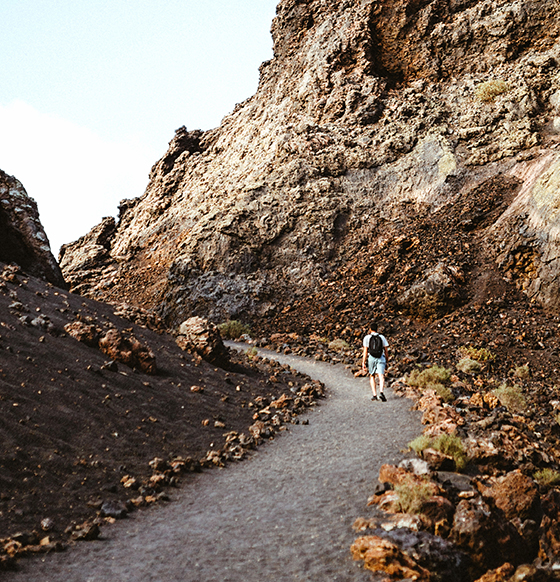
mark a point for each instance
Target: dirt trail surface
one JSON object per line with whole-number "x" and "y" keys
{"x": 285, "y": 514}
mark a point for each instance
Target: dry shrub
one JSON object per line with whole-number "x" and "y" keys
{"x": 478, "y": 354}
{"x": 452, "y": 445}
{"x": 444, "y": 392}
{"x": 489, "y": 90}
{"x": 447, "y": 444}
{"x": 432, "y": 375}
{"x": 420, "y": 443}
{"x": 233, "y": 329}
{"x": 468, "y": 365}
{"x": 522, "y": 372}
{"x": 252, "y": 353}
{"x": 413, "y": 494}
{"x": 511, "y": 397}
{"x": 338, "y": 345}
{"x": 547, "y": 478}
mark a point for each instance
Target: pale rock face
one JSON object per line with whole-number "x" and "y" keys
{"x": 367, "y": 108}
{"x": 22, "y": 237}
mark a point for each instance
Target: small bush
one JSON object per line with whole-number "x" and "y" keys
{"x": 444, "y": 392}
{"x": 447, "y": 444}
{"x": 452, "y": 445}
{"x": 420, "y": 443}
{"x": 252, "y": 353}
{"x": 233, "y": 329}
{"x": 433, "y": 375}
{"x": 488, "y": 91}
{"x": 478, "y": 354}
{"x": 338, "y": 345}
{"x": 468, "y": 365}
{"x": 547, "y": 478}
{"x": 412, "y": 495}
{"x": 522, "y": 372}
{"x": 511, "y": 397}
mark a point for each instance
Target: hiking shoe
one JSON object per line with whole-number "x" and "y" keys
{"x": 382, "y": 397}
{"x": 374, "y": 398}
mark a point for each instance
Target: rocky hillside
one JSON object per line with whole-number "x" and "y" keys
{"x": 376, "y": 125}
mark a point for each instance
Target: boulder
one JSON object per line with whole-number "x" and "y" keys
{"x": 380, "y": 555}
{"x": 517, "y": 496}
{"x": 202, "y": 337}
{"x": 125, "y": 348}
{"x": 436, "y": 293}
{"x": 485, "y": 534}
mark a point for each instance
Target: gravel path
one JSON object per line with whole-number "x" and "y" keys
{"x": 285, "y": 514}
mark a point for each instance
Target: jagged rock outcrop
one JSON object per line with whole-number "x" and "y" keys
{"x": 374, "y": 120}
{"x": 22, "y": 237}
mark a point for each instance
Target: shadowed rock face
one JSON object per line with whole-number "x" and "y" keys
{"x": 372, "y": 117}
{"x": 22, "y": 238}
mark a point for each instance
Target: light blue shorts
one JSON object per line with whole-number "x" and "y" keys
{"x": 376, "y": 365}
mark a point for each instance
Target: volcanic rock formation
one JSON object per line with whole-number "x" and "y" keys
{"x": 22, "y": 238}
{"x": 374, "y": 120}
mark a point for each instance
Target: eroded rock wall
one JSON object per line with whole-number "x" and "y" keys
{"x": 22, "y": 237}
{"x": 370, "y": 114}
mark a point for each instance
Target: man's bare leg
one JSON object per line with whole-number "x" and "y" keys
{"x": 372, "y": 384}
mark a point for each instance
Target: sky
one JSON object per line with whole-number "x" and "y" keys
{"x": 92, "y": 91}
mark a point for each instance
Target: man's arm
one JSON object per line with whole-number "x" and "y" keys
{"x": 364, "y": 356}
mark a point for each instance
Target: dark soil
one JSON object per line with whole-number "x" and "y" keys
{"x": 71, "y": 426}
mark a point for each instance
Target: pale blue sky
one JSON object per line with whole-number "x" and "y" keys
{"x": 92, "y": 91}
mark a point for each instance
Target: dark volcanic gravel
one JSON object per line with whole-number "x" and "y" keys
{"x": 285, "y": 514}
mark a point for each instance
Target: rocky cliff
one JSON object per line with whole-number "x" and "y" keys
{"x": 22, "y": 237}
{"x": 408, "y": 148}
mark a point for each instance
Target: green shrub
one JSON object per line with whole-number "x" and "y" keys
{"x": 432, "y": 375}
{"x": 547, "y": 478}
{"x": 468, "y": 365}
{"x": 478, "y": 354}
{"x": 412, "y": 495}
{"x": 444, "y": 392}
{"x": 522, "y": 372}
{"x": 489, "y": 90}
{"x": 252, "y": 353}
{"x": 452, "y": 445}
{"x": 511, "y": 397}
{"x": 233, "y": 329}
{"x": 420, "y": 443}
{"x": 338, "y": 345}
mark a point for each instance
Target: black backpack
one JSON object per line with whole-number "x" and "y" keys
{"x": 375, "y": 345}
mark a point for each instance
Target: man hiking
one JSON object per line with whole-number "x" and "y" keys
{"x": 376, "y": 355}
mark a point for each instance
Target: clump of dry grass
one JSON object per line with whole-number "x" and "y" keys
{"x": 252, "y": 353}
{"x": 547, "y": 478}
{"x": 522, "y": 372}
{"x": 432, "y": 375}
{"x": 447, "y": 444}
{"x": 433, "y": 378}
{"x": 489, "y": 90}
{"x": 444, "y": 392}
{"x": 413, "y": 495}
{"x": 468, "y": 365}
{"x": 233, "y": 329}
{"x": 511, "y": 397}
{"x": 338, "y": 345}
{"x": 477, "y": 354}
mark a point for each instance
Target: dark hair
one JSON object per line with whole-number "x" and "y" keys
{"x": 373, "y": 326}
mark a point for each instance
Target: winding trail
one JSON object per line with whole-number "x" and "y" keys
{"x": 283, "y": 515}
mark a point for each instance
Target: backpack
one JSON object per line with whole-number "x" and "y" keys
{"x": 375, "y": 345}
